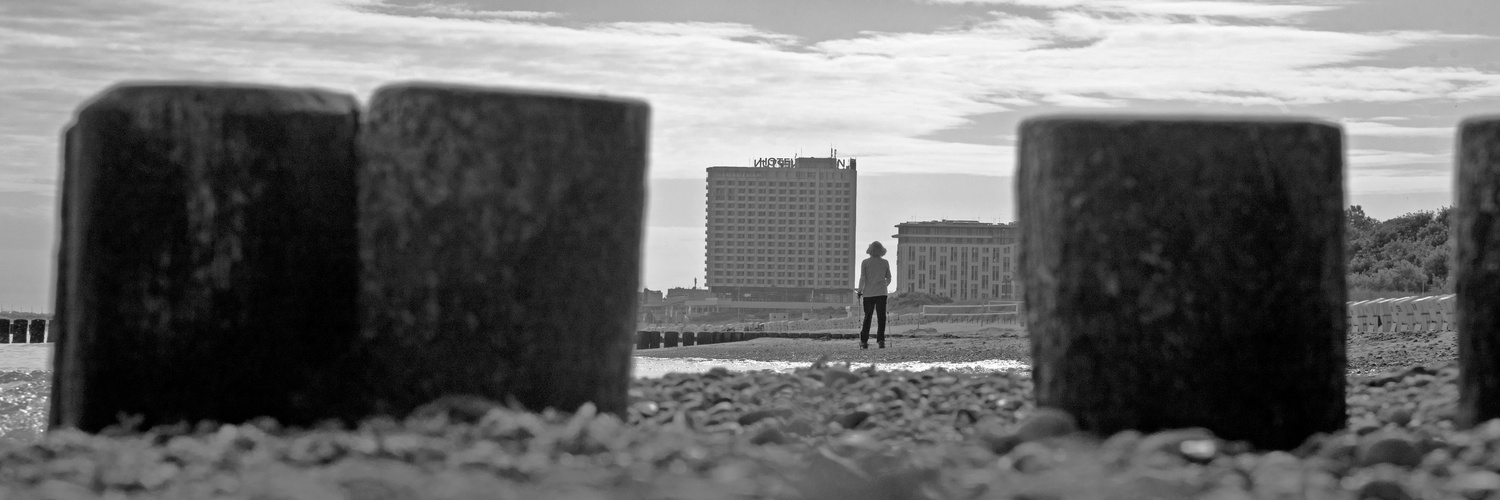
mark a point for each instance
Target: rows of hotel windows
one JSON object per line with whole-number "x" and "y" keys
{"x": 976, "y": 272}
{"x": 780, "y": 233}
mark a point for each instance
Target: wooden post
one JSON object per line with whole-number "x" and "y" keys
{"x": 208, "y": 266}
{"x": 18, "y": 331}
{"x": 37, "y": 332}
{"x": 1186, "y": 272}
{"x": 689, "y": 338}
{"x": 4, "y": 331}
{"x": 500, "y": 236}
{"x": 1476, "y": 270}
{"x": 671, "y": 339}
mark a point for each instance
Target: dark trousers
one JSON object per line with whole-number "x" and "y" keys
{"x": 876, "y": 306}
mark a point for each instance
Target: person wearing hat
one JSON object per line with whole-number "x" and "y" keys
{"x": 874, "y": 277}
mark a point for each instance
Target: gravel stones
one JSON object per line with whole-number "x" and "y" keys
{"x": 728, "y": 434}
{"x": 1046, "y": 423}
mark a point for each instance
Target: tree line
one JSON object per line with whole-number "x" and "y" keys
{"x": 1409, "y": 253}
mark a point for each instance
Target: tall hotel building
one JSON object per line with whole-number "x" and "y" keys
{"x": 782, "y": 231}
{"x": 961, "y": 260}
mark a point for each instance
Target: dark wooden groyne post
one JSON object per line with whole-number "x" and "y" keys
{"x": 4, "y": 331}
{"x": 1186, "y": 272}
{"x": 500, "y": 239}
{"x": 208, "y": 260}
{"x": 18, "y": 331}
{"x": 1476, "y": 271}
{"x": 37, "y": 332}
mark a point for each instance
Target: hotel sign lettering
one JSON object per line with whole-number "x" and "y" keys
{"x": 774, "y": 162}
{"x": 785, "y": 163}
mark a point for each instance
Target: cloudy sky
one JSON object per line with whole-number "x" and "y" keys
{"x": 925, "y": 93}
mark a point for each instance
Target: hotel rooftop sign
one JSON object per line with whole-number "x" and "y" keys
{"x": 792, "y": 162}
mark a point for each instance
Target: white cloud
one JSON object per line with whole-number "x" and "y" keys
{"x": 1199, "y": 8}
{"x": 723, "y": 92}
{"x": 1377, "y": 129}
{"x": 461, "y": 11}
{"x": 1375, "y": 159}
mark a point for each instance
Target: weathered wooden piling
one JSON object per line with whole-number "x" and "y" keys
{"x": 689, "y": 338}
{"x": 1476, "y": 269}
{"x": 670, "y": 339}
{"x": 208, "y": 266}
{"x": 1186, "y": 272}
{"x": 500, "y": 235}
{"x": 36, "y": 332}
{"x": 4, "y": 331}
{"x": 18, "y": 331}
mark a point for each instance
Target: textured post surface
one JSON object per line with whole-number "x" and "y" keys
{"x": 37, "y": 332}
{"x": 1186, "y": 273}
{"x": 500, "y": 239}
{"x": 208, "y": 267}
{"x": 1476, "y": 271}
{"x": 18, "y": 331}
{"x": 4, "y": 331}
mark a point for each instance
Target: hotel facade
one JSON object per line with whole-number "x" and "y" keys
{"x": 959, "y": 259}
{"x": 780, "y": 233}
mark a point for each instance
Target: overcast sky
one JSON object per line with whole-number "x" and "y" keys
{"x": 925, "y": 93}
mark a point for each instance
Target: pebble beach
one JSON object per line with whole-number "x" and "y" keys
{"x": 841, "y": 422}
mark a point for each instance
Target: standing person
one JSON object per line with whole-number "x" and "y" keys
{"x": 874, "y": 277}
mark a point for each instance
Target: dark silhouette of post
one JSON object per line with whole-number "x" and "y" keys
{"x": 1476, "y": 270}
{"x": 1186, "y": 272}
{"x": 500, "y": 236}
{"x": 18, "y": 331}
{"x": 208, "y": 267}
{"x": 4, "y": 331}
{"x": 37, "y": 331}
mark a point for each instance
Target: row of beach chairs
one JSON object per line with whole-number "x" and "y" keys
{"x": 1403, "y": 314}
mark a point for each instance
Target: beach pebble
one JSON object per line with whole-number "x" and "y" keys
{"x": 1398, "y": 416}
{"x": 1194, "y": 444}
{"x": 1046, "y": 423}
{"x": 1388, "y": 449}
{"x": 852, "y": 419}
{"x": 758, "y": 415}
{"x": 1477, "y": 484}
{"x": 1382, "y": 489}
{"x": 769, "y": 435}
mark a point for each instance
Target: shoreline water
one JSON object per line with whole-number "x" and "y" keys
{"x": 653, "y": 367}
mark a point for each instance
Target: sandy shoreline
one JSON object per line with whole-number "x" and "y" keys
{"x": 948, "y": 346}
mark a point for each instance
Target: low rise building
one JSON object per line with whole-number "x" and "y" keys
{"x": 960, "y": 259}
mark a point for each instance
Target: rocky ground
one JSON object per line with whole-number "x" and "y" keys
{"x": 826, "y": 431}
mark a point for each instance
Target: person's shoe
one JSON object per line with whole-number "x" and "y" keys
{"x": 864, "y": 346}
{"x": 882, "y": 345}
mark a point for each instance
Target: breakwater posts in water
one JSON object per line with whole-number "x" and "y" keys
{"x": 234, "y": 251}
{"x": 1153, "y": 252}
{"x": 24, "y": 331}
{"x": 650, "y": 339}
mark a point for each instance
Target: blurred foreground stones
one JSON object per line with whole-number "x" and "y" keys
{"x": 725, "y": 434}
